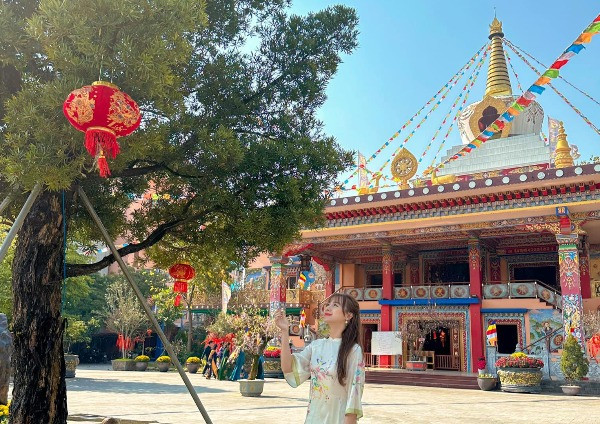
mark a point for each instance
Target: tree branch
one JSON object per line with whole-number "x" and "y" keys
{"x": 75, "y": 270}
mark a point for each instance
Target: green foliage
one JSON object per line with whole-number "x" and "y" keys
{"x": 166, "y": 311}
{"x": 79, "y": 331}
{"x": 6, "y": 278}
{"x": 229, "y": 91}
{"x": 573, "y": 363}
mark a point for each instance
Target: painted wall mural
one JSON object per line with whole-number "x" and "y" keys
{"x": 543, "y": 322}
{"x": 573, "y": 315}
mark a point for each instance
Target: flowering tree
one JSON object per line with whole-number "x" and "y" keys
{"x": 124, "y": 314}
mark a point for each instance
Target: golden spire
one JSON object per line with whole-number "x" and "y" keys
{"x": 562, "y": 158}
{"x": 498, "y": 82}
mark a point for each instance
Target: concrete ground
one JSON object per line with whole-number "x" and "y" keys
{"x": 153, "y": 397}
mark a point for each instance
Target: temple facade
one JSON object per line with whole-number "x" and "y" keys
{"x": 507, "y": 236}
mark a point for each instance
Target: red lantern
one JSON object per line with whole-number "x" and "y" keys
{"x": 182, "y": 272}
{"x": 104, "y": 113}
{"x": 177, "y": 301}
{"x": 180, "y": 286}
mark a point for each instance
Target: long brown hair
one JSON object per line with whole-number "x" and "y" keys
{"x": 351, "y": 334}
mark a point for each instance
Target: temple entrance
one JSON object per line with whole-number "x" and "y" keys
{"x": 440, "y": 346}
{"x": 545, "y": 273}
{"x": 508, "y": 338}
{"x": 367, "y": 335}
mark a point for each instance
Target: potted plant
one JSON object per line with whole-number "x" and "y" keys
{"x": 141, "y": 362}
{"x": 573, "y": 364}
{"x": 520, "y": 373}
{"x": 192, "y": 364}
{"x": 481, "y": 364}
{"x": 163, "y": 363}
{"x": 272, "y": 364}
{"x": 486, "y": 381}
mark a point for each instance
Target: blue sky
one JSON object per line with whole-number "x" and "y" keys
{"x": 409, "y": 50}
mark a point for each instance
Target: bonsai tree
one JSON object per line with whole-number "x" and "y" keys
{"x": 573, "y": 363}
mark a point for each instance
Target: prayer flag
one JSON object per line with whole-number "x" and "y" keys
{"x": 491, "y": 333}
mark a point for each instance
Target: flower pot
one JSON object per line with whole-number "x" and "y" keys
{"x": 486, "y": 383}
{"x": 520, "y": 380}
{"x": 192, "y": 367}
{"x": 272, "y": 368}
{"x": 251, "y": 388}
{"x": 416, "y": 365}
{"x": 571, "y": 390}
{"x": 123, "y": 365}
{"x": 141, "y": 365}
{"x": 71, "y": 362}
{"x": 163, "y": 366}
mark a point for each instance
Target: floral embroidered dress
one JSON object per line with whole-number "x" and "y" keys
{"x": 329, "y": 400}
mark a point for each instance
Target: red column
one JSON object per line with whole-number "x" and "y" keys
{"x": 475, "y": 274}
{"x": 584, "y": 273}
{"x": 387, "y": 293}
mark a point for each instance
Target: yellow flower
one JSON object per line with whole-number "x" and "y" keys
{"x": 518, "y": 355}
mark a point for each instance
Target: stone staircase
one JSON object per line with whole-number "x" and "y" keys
{"x": 424, "y": 378}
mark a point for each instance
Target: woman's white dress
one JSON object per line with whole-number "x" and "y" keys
{"x": 329, "y": 400}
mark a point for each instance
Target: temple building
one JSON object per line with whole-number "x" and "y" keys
{"x": 508, "y": 235}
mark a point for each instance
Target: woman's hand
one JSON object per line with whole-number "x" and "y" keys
{"x": 281, "y": 321}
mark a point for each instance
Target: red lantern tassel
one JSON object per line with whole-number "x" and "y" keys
{"x": 100, "y": 138}
{"x": 103, "y": 165}
{"x": 177, "y": 301}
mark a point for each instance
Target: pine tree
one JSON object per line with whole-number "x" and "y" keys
{"x": 229, "y": 90}
{"x": 573, "y": 363}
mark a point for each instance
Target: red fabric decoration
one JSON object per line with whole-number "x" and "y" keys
{"x": 103, "y": 113}
{"x": 180, "y": 286}
{"x": 183, "y": 272}
{"x": 177, "y": 301}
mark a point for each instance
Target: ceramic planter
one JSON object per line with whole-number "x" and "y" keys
{"x": 251, "y": 388}
{"x": 141, "y": 365}
{"x": 163, "y": 366}
{"x": 71, "y": 362}
{"x": 571, "y": 390}
{"x": 487, "y": 383}
{"x": 520, "y": 380}
{"x": 192, "y": 367}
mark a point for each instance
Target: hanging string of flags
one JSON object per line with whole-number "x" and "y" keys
{"x": 562, "y": 96}
{"x": 466, "y": 90}
{"x": 513, "y": 71}
{"x": 507, "y": 41}
{"x": 456, "y": 76}
{"x": 536, "y": 89}
{"x": 428, "y": 114}
{"x": 451, "y": 127}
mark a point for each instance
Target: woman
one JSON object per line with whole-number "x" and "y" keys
{"x": 334, "y": 365}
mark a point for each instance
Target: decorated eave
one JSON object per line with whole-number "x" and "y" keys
{"x": 550, "y": 186}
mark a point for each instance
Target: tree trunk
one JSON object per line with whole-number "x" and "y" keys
{"x": 39, "y": 393}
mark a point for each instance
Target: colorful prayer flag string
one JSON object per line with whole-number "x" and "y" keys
{"x": 562, "y": 96}
{"x": 513, "y": 70}
{"x": 466, "y": 90}
{"x": 433, "y": 109}
{"x": 537, "y": 88}
{"x": 514, "y": 46}
{"x": 456, "y": 76}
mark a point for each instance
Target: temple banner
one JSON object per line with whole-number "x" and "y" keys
{"x": 386, "y": 343}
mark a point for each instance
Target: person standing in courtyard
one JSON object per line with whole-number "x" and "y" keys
{"x": 335, "y": 365}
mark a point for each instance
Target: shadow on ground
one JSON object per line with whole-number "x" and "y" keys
{"x": 83, "y": 384}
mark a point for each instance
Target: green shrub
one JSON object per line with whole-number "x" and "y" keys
{"x": 573, "y": 364}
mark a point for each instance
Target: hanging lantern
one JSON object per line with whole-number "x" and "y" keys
{"x": 103, "y": 113}
{"x": 183, "y": 272}
{"x": 177, "y": 301}
{"x": 180, "y": 286}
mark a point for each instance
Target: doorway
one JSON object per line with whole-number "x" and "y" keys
{"x": 508, "y": 338}
{"x": 367, "y": 334}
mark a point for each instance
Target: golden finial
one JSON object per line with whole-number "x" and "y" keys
{"x": 562, "y": 157}
{"x": 496, "y": 27}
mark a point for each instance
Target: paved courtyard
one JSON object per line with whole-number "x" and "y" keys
{"x": 152, "y": 397}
